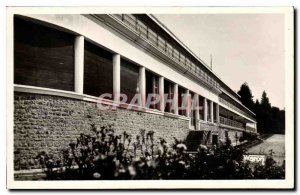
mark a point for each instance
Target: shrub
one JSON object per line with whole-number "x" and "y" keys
{"x": 107, "y": 156}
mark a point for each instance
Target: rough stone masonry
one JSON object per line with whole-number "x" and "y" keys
{"x": 50, "y": 123}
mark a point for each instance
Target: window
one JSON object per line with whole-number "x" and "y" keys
{"x": 169, "y": 50}
{"x": 129, "y": 79}
{"x": 169, "y": 90}
{"x": 215, "y": 140}
{"x": 98, "y": 70}
{"x": 43, "y": 57}
{"x": 208, "y": 111}
{"x": 181, "y": 101}
{"x": 193, "y": 109}
{"x": 215, "y": 112}
{"x": 201, "y": 107}
{"x": 152, "y": 88}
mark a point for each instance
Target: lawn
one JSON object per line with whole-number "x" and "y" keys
{"x": 276, "y": 143}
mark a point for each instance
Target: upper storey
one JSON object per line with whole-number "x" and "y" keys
{"x": 158, "y": 40}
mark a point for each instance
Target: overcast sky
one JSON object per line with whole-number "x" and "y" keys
{"x": 245, "y": 48}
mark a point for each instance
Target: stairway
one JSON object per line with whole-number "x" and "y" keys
{"x": 193, "y": 140}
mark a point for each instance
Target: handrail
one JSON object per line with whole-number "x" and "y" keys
{"x": 234, "y": 107}
{"x": 250, "y": 129}
{"x": 229, "y": 122}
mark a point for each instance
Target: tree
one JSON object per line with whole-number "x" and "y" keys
{"x": 265, "y": 114}
{"x": 269, "y": 119}
{"x": 256, "y": 106}
{"x": 265, "y": 103}
{"x": 246, "y": 96}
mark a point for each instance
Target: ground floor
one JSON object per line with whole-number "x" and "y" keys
{"x": 50, "y": 123}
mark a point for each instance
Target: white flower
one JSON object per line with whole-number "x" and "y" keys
{"x": 203, "y": 147}
{"x": 96, "y": 175}
{"x": 181, "y": 146}
{"x": 131, "y": 171}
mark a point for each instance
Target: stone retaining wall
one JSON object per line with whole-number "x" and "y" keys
{"x": 50, "y": 123}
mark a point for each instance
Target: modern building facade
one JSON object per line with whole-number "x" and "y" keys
{"x": 63, "y": 63}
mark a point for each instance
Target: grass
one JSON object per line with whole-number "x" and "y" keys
{"x": 276, "y": 143}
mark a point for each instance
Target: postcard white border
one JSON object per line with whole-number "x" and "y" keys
{"x": 158, "y": 184}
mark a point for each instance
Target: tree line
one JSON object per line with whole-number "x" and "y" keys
{"x": 270, "y": 119}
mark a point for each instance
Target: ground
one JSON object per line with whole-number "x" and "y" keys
{"x": 276, "y": 143}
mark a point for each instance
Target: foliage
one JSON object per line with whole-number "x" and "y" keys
{"x": 246, "y": 96}
{"x": 269, "y": 119}
{"x": 107, "y": 156}
{"x": 248, "y": 136}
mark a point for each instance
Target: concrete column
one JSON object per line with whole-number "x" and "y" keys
{"x": 197, "y": 119}
{"x": 116, "y": 77}
{"x": 218, "y": 113}
{"x": 212, "y": 111}
{"x": 205, "y": 109}
{"x": 142, "y": 85}
{"x": 187, "y": 103}
{"x": 161, "y": 93}
{"x": 175, "y": 98}
{"x": 79, "y": 63}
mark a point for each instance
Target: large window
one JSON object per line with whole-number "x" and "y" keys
{"x": 98, "y": 70}
{"x": 152, "y": 88}
{"x": 43, "y": 56}
{"x": 193, "y": 109}
{"x": 181, "y": 101}
{"x": 201, "y": 107}
{"x": 129, "y": 79}
{"x": 215, "y": 112}
{"x": 169, "y": 91}
{"x": 208, "y": 111}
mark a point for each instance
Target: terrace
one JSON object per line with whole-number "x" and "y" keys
{"x": 153, "y": 38}
{"x": 230, "y": 105}
{"x": 231, "y": 123}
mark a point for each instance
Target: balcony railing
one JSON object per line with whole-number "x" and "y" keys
{"x": 232, "y": 123}
{"x": 147, "y": 33}
{"x": 250, "y": 129}
{"x": 234, "y": 107}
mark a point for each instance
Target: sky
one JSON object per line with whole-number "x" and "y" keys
{"x": 244, "y": 48}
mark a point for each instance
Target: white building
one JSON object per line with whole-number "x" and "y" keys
{"x": 63, "y": 63}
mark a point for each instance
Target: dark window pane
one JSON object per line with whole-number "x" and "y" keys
{"x": 169, "y": 90}
{"x": 208, "y": 111}
{"x": 152, "y": 88}
{"x": 193, "y": 109}
{"x": 201, "y": 107}
{"x": 98, "y": 70}
{"x": 181, "y": 101}
{"x": 215, "y": 112}
{"x": 129, "y": 79}
{"x": 43, "y": 57}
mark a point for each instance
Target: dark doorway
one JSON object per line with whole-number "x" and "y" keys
{"x": 193, "y": 140}
{"x": 214, "y": 140}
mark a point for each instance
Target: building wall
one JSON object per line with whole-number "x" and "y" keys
{"x": 231, "y": 134}
{"x": 50, "y": 123}
{"x": 209, "y": 130}
{"x": 97, "y": 32}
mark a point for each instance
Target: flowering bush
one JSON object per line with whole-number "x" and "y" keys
{"x": 107, "y": 156}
